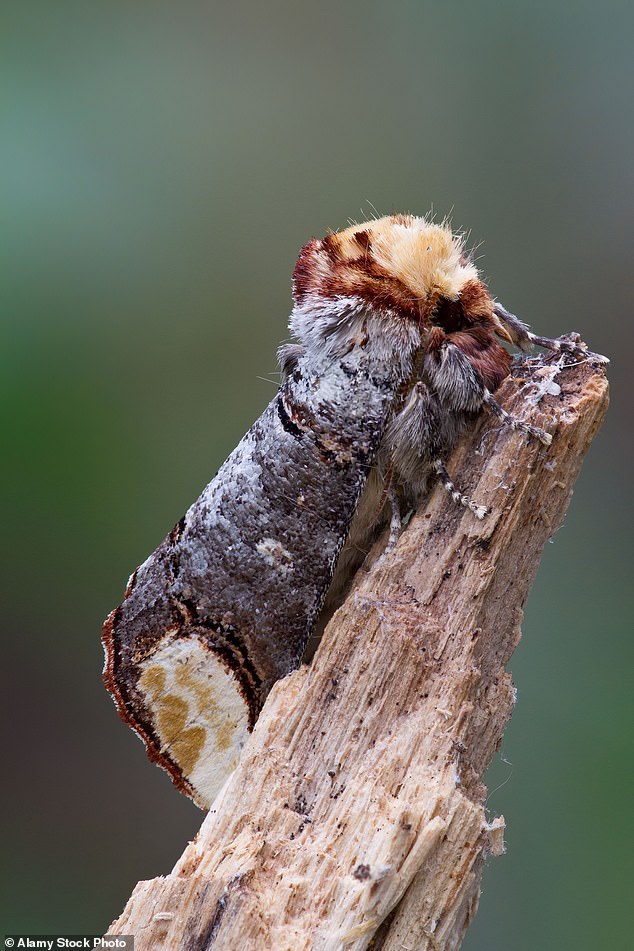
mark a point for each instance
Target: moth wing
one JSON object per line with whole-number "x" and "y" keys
{"x": 224, "y": 606}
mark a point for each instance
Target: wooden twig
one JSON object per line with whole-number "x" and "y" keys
{"x": 356, "y": 815}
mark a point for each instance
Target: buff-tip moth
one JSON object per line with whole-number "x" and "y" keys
{"x": 396, "y": 353}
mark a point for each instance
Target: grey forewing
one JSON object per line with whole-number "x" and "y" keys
{"x": 247, "y": 568}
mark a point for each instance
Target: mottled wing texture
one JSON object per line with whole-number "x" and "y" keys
{"x": 224, "y": 606}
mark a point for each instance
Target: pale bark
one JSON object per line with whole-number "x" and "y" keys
{"x": 356, "y": 814}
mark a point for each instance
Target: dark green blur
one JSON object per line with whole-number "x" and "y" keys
{"x": 163, "y": 163}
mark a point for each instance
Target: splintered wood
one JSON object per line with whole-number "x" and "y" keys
{"x": 356, "y": 816}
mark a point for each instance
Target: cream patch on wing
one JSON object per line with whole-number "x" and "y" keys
{"x": 198, "y": 712}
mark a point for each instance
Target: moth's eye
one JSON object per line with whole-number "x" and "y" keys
{"x": 449, "y": 315}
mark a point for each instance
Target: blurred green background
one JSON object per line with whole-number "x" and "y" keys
{"x": 163, "y": 163}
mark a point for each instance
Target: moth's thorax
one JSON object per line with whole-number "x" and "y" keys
{"x": 392, "y": 285}
{"x": 400, "y": 262}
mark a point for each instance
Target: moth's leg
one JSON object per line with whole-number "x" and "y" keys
{"x": 514, "y": 423}
{"x": 566, "y": 346}
{"x": 390, "y": 496}
{"x": 396, "y": 522}
{"x": 443, "y": 477}
{"x": 462, "y": 387}
{"x": 524, "y": 338}
{"x": 385, "y": 492}
{"x": 511, "y": 328}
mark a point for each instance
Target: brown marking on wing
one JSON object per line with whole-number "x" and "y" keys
{"x": 126, "y": 705}
{"x": 179, "y": 759}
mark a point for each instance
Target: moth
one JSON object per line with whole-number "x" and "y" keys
{"x": 396, "y": 351}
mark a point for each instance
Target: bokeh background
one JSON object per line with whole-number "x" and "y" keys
{"x": 163, "y": 163}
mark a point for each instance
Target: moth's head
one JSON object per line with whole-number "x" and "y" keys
{"x": 412, "y": 274}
